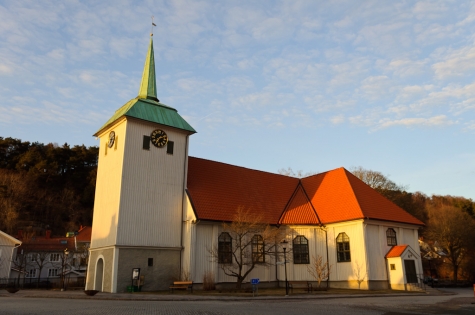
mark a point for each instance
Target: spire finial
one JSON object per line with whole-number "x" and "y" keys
{"x": 153, "y": 24}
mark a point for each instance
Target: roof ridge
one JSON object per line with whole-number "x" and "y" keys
{"x": 311, "y": 203}
{"x": 243, "y": 167}
{"x": 345, "y": 171}
{"x": 316, "y": 174}
{"x": 281, "y": 217}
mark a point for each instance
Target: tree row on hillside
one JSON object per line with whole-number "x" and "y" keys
{"x": 46, "y": 185}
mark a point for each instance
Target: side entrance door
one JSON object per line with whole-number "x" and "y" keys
{"x": 410, "y": 268}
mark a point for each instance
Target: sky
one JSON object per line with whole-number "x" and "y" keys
{"x": 311, "y": 85}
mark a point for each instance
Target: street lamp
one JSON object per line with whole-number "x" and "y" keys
{"x": 430, "y": 266}
{"x": 65, "y": 257}
{"x": 284, "y": 246}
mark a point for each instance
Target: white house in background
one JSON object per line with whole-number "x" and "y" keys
{"x": 160, "y": 211}
{"x": 44, "y": 258}
{"x": 8, "y": 245}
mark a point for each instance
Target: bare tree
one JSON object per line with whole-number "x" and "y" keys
{"x": 290, "y": 172}
{"x": 252, "y": 241}
{"x": 376, "y": 180}
{"x": 319, "y": 270}
{"x": 454, "y": 231}
{"x": 82, "y": 252}
{"x": 359, "y": 274}
{"x": 20, "y": 262}
{"x": 39, "y": 260}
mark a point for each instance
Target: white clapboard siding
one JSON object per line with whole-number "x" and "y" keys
{"x": 189, "y": 240}
{"x": 205, "y": 241}
{"x": 377, "y": 248}
{"x": 152, "y": 191}
{"x": 408, "y": 237}
{"x": 344, "y": 271}
{"x": 316, "y": 245}
{"x": 109, "y": 180}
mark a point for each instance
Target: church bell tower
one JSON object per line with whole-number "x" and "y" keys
{"x": 140, "y": 192}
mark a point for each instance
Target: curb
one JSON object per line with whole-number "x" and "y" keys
{"x": 170, "y": 298}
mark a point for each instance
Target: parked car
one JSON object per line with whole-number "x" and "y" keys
{"x": 431, "y": 281}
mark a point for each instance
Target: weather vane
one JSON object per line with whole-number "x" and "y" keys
{"x": 153, "y": 24}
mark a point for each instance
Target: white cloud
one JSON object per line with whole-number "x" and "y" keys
{"x": 336, "y": 120}
{"x": 436, "y": 121}
{"x": 470, "y": 125}
{"x": 457, "y": 62}
{"x": 406, "y": 67}
{"x": 376, "y": 87}
{"x": 5, "y": 69}
{"x": 429, "y": 10}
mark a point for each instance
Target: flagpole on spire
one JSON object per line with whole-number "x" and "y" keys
{"x": 153, "y": 24}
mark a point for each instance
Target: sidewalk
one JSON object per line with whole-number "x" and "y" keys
{"x": 142, "y": 296}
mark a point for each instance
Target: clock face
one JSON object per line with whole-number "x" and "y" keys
{"x": 111, "y": 139}
{"x": 159, "y": 138}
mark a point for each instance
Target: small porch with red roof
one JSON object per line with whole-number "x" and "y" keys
{"x": 403, "y": 268}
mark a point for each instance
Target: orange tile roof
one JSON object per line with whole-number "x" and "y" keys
{"x": 84, "y": 234}
{"x": 217, "y": 190}
{"x": 396, "y": 251}
{"x": 338, "y": 195}
{"x": 332, "y": 196}
{"x": 299, "y": 210}
{"x": 55, "y": 243}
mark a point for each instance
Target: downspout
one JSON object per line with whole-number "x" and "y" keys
{"x": 185, "y": 174}
{"x": 276, "y": 273}
{"x": 328, "y": 257}
{"x": 365, "y": 224}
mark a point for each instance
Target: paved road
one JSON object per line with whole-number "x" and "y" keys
{"x": 459, "y": 304}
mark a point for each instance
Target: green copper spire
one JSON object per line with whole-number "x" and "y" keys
{"x": 148, "y": 87}
{"x": 146, "y": 106}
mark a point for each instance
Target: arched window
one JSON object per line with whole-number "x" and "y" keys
{"x": 257, "y": 245}
{"x": 391, "y": 237}
{"x": 343, "y": 248}
{"x": 225, "y": 248}
{"x": 300, "y": 250}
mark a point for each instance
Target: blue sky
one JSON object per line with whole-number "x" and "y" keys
{"x": 311, "y": 85}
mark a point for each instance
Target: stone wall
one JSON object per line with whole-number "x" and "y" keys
{"x": 164, "y": 270}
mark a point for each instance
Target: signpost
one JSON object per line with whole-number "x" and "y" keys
{"x": 135, "y": 277}
{"x": 254, "y": 283}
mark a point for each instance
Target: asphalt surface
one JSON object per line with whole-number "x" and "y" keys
{"x": 450, "y": 301}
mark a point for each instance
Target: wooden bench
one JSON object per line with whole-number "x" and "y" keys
{"x": 182, "y": 285}
{"x": 306, "y": 285}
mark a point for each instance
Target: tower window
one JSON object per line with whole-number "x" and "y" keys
{"x": 150, "y": 262}
{"x": 146, "y": 143}
{"x": 170, "y": 145}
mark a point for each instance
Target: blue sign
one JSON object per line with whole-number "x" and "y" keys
{"x": 255, "y": 281}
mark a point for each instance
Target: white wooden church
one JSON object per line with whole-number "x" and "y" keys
{"x": 158, "y": 211}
